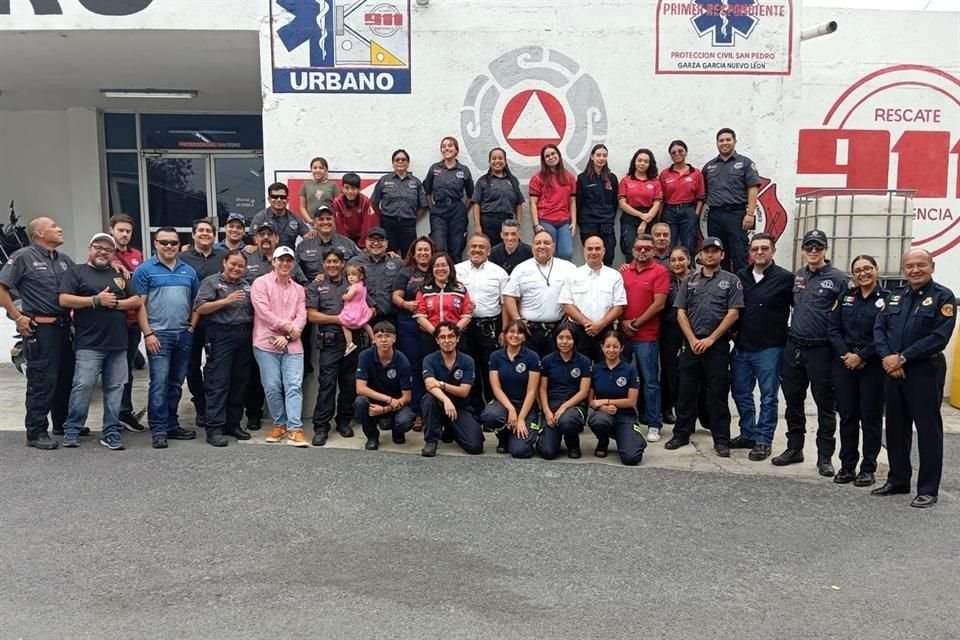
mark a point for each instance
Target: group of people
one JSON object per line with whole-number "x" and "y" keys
{"x": 515, "y": 340}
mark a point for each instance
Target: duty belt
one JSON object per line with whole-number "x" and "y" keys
{"x": 807, "y": 342}
{"x": 60, "y": 321}
{"x": 546, "y": 326}
{"x": 222, "y": 326}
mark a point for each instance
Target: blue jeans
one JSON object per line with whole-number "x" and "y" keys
{"x": 168, "y": 369}
{"x": 763, "y": 368}
{"x": 90, "y": 364}
{"x": 561, "y": 237}
{"x": 282, "y": 378}
{"x": 648, "y": 364}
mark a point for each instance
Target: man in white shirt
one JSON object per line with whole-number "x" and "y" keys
{"x": 533, "y": 292}
{"x": 485, "y": 282}
{"x": 593, "y": 297}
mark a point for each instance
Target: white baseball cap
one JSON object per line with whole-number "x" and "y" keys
{"x": 284, "y": 251}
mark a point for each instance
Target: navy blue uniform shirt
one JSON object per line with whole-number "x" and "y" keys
{"x": 727, "y": 180}
{"x": 463, "y": 371}
{"x": 392, "y": 379}
{"x": 852, "y": 320}
{"x": 515, "y": 374}
{"x": 565, "y": 376}
{"x": 614, "y": 383}
{"x": 814, "y": 296}
{"x": 916, "y": 324}
{"x": 597, "y": 202}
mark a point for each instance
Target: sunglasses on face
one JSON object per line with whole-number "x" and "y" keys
{"x": 168, "y": 243}
{"x": 812, "y": 248}
{"x": 642, "y": 249}
{"x": 277, "y": 196}
{"x": 401, "y": 160}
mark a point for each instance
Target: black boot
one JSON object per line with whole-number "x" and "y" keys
{"x": 215, "y": 437}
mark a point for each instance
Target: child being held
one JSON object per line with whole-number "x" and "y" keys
{"x": 356, "y": 314}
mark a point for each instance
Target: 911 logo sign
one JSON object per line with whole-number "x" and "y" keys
{"x": 533, "y": 97}
{"x": 894, "y": 129}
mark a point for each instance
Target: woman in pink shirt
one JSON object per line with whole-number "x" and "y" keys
{"x": 280, "y": 313}
{"x": 553, "y": 202}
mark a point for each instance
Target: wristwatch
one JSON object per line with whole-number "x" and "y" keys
{"x": 903, "y": 360}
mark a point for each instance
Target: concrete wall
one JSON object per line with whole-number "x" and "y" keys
{"x": 135, "y": 14}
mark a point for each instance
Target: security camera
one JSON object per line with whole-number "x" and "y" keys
{"x": 423, "y": 3}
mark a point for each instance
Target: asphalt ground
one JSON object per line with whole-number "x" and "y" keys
{"x": 266, "y": 541}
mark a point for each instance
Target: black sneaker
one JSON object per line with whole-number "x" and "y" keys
{"x": 399, "y": 437}
{"x": 112, "y": 441}
{"x": 675, "y": 443}
{"x": 429, "y": 449}
{"x": 345, "y": 430}
{"x": 131, "y": 424}
{"x": 742, "y": 443}
{"x": 760, "y": 452}
{"x": 723, "y": 451}
{"x": 320, "y": 436}
{"x": 179, "y": 433}
{"x": 372, "y": 444}
{"x": 601, "y": 450}
{"x": 43, "y": 442}
{"x": 790, "y": 456}
{"x": 253, "y": 423}
{"x": 159, "y": 441}
{"x": 574, "y": 454}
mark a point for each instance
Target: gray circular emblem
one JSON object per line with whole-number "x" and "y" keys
{"x": 391, "y": 266}
{"x": 529, "y": 97}
{"x": 621, "y": 381}
{"x": 458, "y": 374}
{"x": 575, "y": 372}
{"x": 521, "y": 367}
{"x": 827, "y": 284}
{"x": 724, "y": 284}
{"x": 391, "y": 373}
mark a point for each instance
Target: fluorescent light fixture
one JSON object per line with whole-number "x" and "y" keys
{"x": 175, "y": 94}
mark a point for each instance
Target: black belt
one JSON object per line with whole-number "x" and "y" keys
{"x": 722, "y": 207}
{"x": 221, "y": 326}
{"x": 683, "y": 204}
{"x": 546, "y": 326}
{"x": 488, "y": 320}
{"x": 807, "y": 342}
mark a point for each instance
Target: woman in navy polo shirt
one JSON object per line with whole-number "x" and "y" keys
{"x": 514, "y": 381}
{"x": 497, "y": 196}
{"x": 564, "y": 389}
{"x": 613, "y": 403}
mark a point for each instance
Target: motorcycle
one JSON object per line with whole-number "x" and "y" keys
{"x": 13, "y": 236}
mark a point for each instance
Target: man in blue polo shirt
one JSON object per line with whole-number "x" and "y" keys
{"x": 168, "y": 286}
{"x": 448, "y": 375}
{"x": 384, "y": 385}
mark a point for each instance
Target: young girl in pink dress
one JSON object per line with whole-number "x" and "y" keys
{"x": 356, "y": 314}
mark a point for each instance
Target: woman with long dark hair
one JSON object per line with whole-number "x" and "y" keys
{"x": 514, "y": 381}
{"x": 857, "y": 372}
{"x": 441, "y": 298}
{"x": 449, "y": 186}
{"x": 671, "y": 337}
{"x": 553, "y": 202}
{"x": 613, "y": 403}
{"x": 640, "y": 198}
{"x": 497, "y": 196}
{"x": 683, "y": 194}
{"x": 564, "y": 389}
{"x": 597, "y": 197}
{"x": 406, "y": 284}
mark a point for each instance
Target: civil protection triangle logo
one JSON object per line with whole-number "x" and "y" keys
{"x": 340, "y": 46}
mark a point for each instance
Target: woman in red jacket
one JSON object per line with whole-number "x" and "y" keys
{"x": 441, "y": 298}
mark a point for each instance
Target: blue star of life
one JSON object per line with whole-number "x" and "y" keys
{"x": 722, "y": 21}
{"x": 309, "y": 25}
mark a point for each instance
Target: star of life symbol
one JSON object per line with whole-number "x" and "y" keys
{"x": 723, "y": 20}
{"x": 309, "y": 24}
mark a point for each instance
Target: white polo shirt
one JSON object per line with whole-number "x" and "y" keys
{"x": 594, "y": 292}
{"x": 485, "y": 285}
{"x": 538, "y": 288}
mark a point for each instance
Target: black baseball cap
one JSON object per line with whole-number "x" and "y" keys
{"x": 267, "y": 226}
{"x": 711, "y": 241}
{"x": 234, "y": 216}
{"x": 322, "y": 210}
{"x": 815, "y": 236}
{"x": 376, "y": 231}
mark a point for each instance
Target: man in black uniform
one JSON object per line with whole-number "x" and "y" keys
{"x": 732, "y": 183}
{"x": 310, "y": 251}
{"x": 512, "y": 250}
{"x": 205, "y": 259}
{"x": 708, "y": 305}
{"x": 286, "y": 224}
{"x": 34, "y": 272}
{"x": 324, "y": 304}
{"x": 910, "y": 334}
{"x": 381, "y": 270}
{"x": 808, "y": 359}
{"x": 384, "y": 383}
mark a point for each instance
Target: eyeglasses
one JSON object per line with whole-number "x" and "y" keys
{"x": 375, "y": 240}
{"x": 759, "y": 249}
{"x": 866, "y": 269}
{"x": 100, "y": 249}
{"x": 674, "y": 152}
{"x": 813, "y": 248}
{"x": 643, "y": 249}
{"x": 401, "y": 159}
{"x": 277, "y": 196}
{"x": 168, "y": 243}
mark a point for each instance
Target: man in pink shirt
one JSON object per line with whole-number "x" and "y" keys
{"x": 280, "y": 314}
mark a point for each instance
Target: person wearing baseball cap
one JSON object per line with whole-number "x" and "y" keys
{"x": 100, "y": 298}
{"x": 311, "y": 249}
{"x": 279, "y": 315}
{"x": 808, "y": 360}
{"x": 708, "y": 305}
{"x": 381, "y": 269}
{"x": 235, "y": 228}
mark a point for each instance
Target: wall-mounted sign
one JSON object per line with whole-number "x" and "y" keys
{"x": 340, "y": 46}
{"x": 101, "y": 7}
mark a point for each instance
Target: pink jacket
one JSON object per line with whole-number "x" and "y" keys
{"x": 274, "y": 306}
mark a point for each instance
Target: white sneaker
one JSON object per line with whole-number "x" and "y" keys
{"x": 653, "y": 435}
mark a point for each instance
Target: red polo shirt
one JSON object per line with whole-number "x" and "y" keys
{"x": 682, "y": 188}
{"x": 640, "y": 194}
{"x": 131, "y": 259}
{"x": 641, "y": 286}
{"x": 553, "y": 204}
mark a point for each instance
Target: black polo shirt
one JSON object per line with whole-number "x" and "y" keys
{"x": 98, "y": 328}
{"x": 727, "y": 180}
{"x": 448, "y": 184}
{"x": 409, "y": 280}
{"x": 399, "y": 198}
{"x": 463, "y": 371}
{"x": 35, "y": 274}
{"x": 205, "y": 266}
{"x": 392, "y": 379}
{"x": 814, "y": 295}
{"x": 509, "y": 261}
{"x": 498, "y": 195}
{"x": 766, "y": 308}
{"x": 597, "y": 202}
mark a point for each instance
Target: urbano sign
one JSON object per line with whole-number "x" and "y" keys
{"x": 101, "y": 7}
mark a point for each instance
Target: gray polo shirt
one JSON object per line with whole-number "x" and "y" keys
{"x": 35, "y": 274}
{"x": 707, "y": 299}
{"x": 814, "y": 295}
{"x": 289, "y": 227}
{"x": 218, "y": 287}
{"x": 727, "y": 180}
{"x": 448, "y": 184}
{"x": 399, "y": 197}
{"x": 310, "y": 252}
{"x": 380, "y": 275}
{"x": 326, "y": 296}
{"x": 498, "y": 195}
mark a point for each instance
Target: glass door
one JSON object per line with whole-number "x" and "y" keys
{"x": 239, "y": 188}
{"x": 178, "y": 191}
